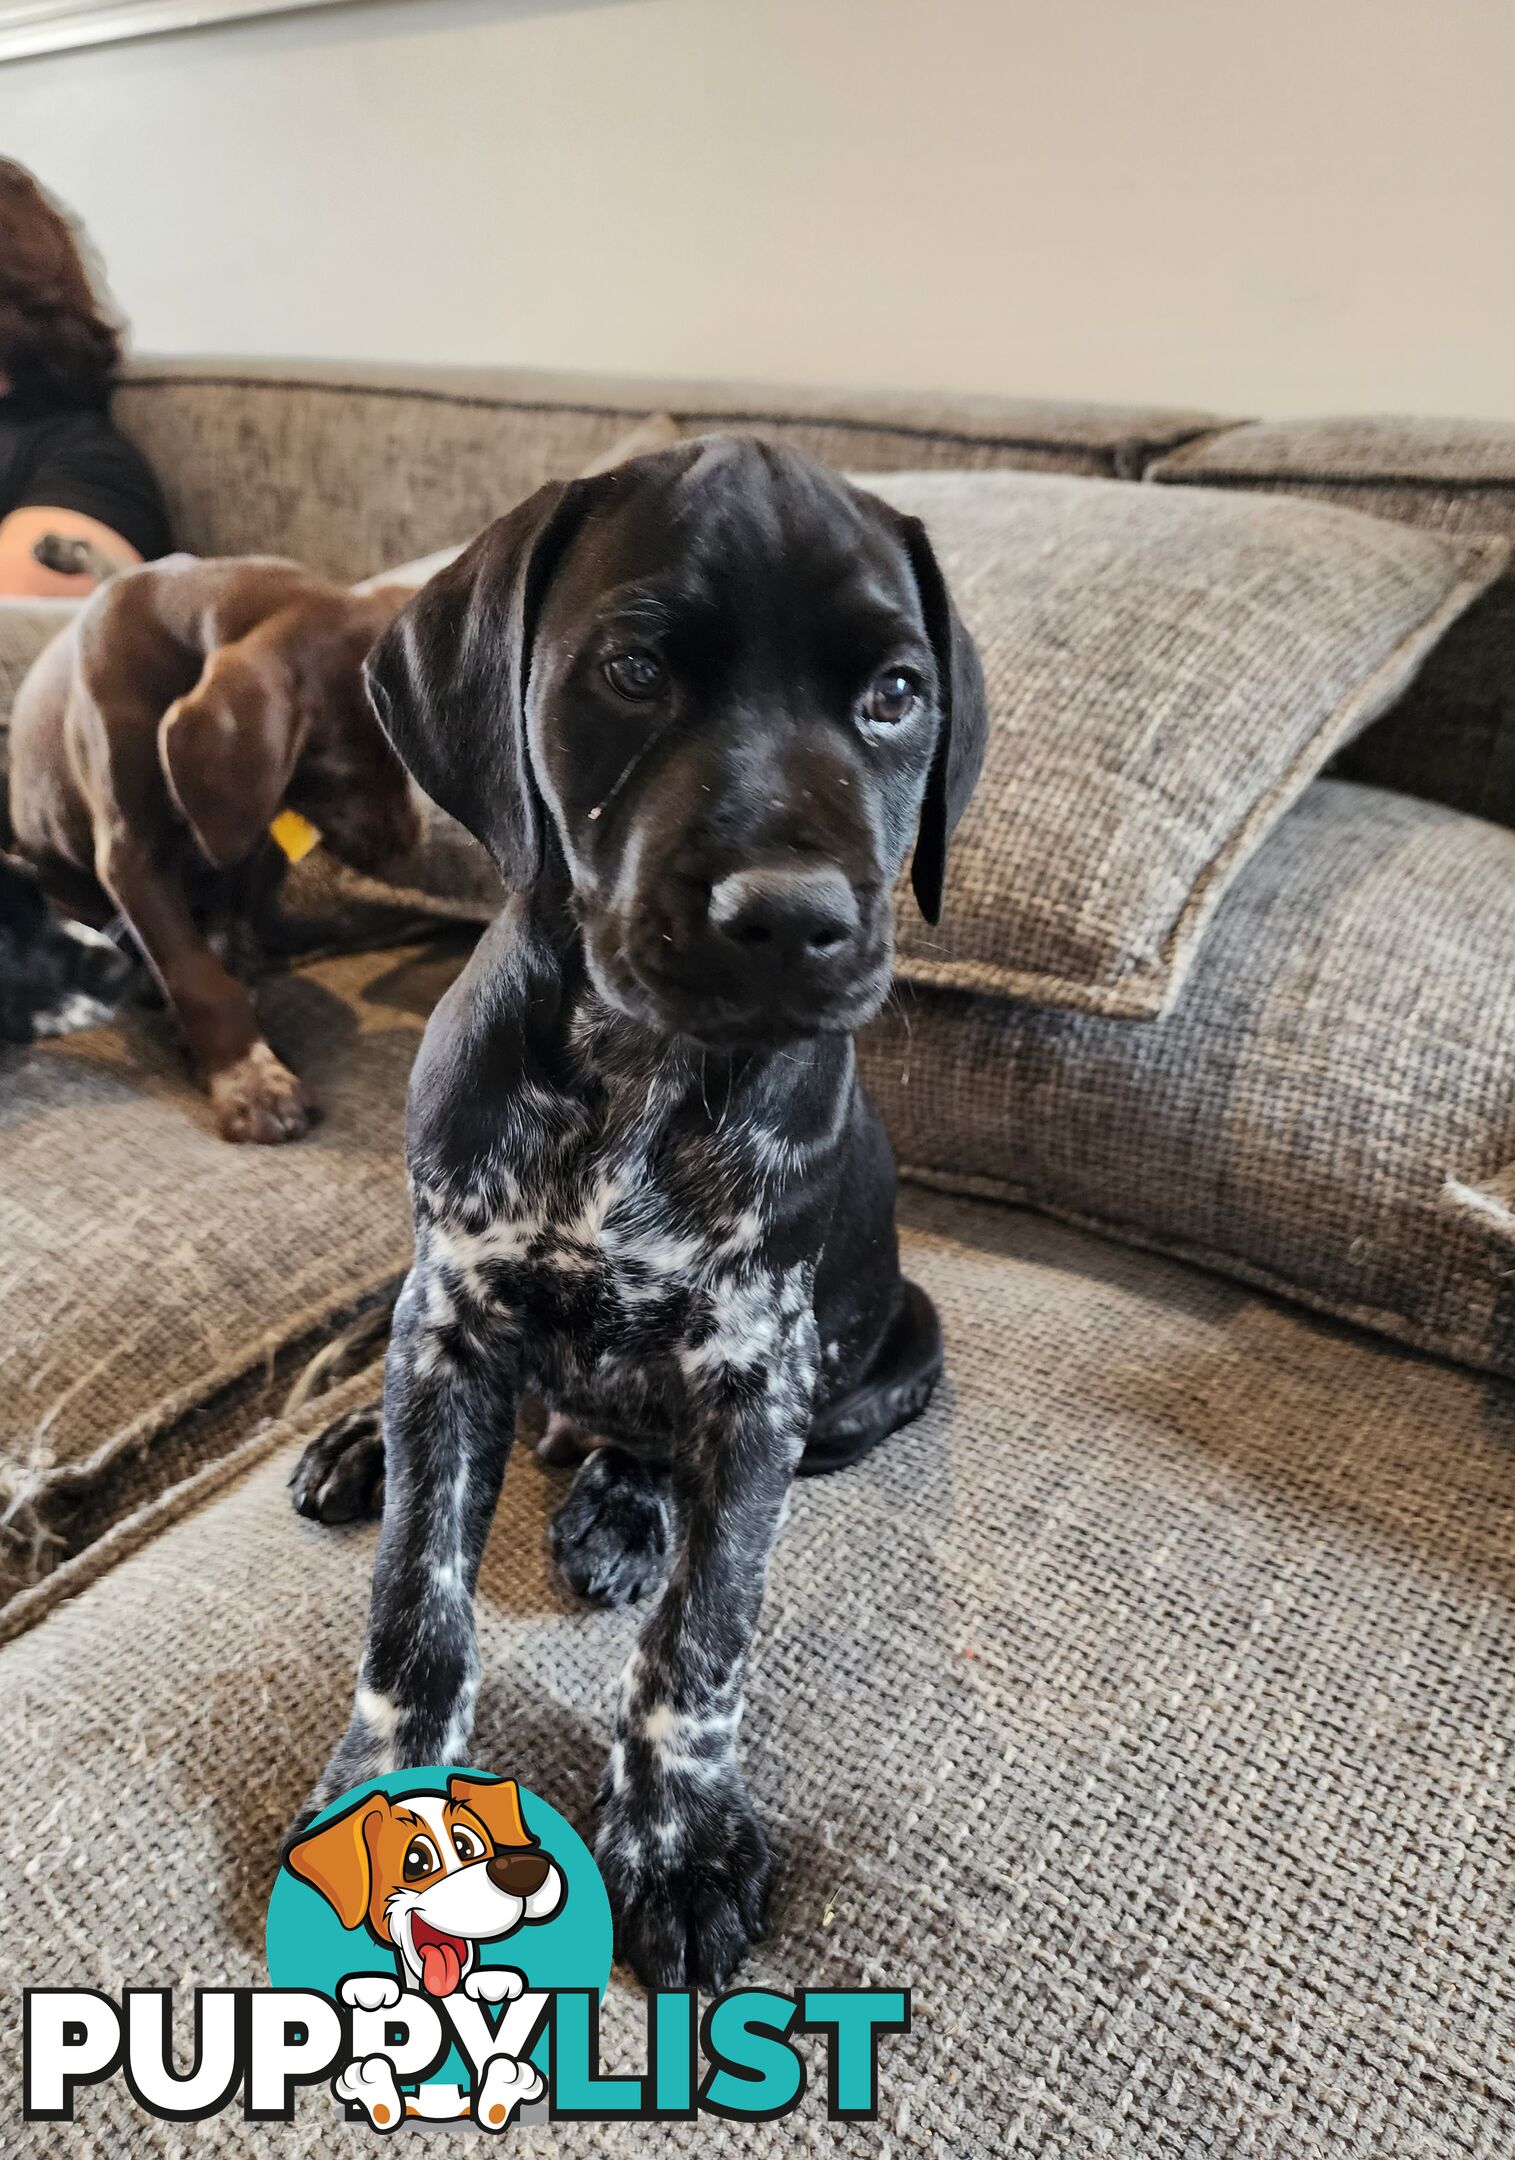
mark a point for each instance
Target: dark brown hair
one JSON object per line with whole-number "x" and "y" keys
{"x": 58, "y": 346}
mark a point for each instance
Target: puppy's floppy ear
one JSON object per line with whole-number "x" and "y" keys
{"x": 336, "y": 1860}
{"x": 228, "y": 749}
{"x": 448, "y": 678}
{"x": 497, "y": 1803}
{"x": 959, "y": 755}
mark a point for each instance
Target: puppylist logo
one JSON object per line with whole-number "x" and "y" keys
{"x": 430, "y": 1884}
{"x": 439, "y": 1942}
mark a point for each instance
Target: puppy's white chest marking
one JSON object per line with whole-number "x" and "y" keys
{"x": 592, "y": 1214}
{"x": 615, "y": 1226}
{"x": 611, "y": 1242}
{"x": 628, "y": 1301}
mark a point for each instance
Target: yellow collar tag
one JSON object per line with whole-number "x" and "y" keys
{"x": 295, "y": 834}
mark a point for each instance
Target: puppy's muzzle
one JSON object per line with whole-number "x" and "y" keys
{"x": 766, "y": 953}
{"x": 779, "y": 920}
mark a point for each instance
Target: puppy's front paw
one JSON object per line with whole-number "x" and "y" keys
{"x": 610, "y": 1536}
{"x": 687, "y": 1872}
{"x": 340, "y": 1475}
{"x": 258, "y": 1100}
{"x": 370, "y": 1991}
{"x": 494, "y": 1984}
{"x": 506, "y": 2085}
{"x": 371, "y": 2085}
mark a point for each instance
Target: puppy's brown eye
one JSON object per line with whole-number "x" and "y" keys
{"x": 892, "y": 698}
{"x": 466, "y": 1845}
{"x": 421, "y": 1858}
{"x": 638, "y": 675}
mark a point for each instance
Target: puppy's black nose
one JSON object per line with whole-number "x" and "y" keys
{"x": 518, "y": 1872}
{"x": 785, "y": 916}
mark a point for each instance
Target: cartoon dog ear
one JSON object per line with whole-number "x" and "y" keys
{"x": 959, "y": 755}
{"x": 449, "y": 677}
{"x": 228, "y": 749}
{"x": 335, "y": 1859}
{"x": 497, "y": 1803}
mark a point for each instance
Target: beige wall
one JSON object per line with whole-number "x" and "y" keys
{"x": 1279, "y": 205}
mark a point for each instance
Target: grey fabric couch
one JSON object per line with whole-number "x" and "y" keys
{"x": 1145, "y": 1707}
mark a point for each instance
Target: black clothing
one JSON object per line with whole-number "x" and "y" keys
{"x": 73, "y": 460}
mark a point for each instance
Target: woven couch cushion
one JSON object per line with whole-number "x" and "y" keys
{"x": 1165, "y": 672}
{"x": 26, "y": 626}
{"x": 158, "y": 1282}
{"x": 1157, "y": 1682}
{"x": 1487, "y": 1206}
{"x": 346, "y": 466}
{"x": 659, "y": 431}
{"x": 1344, "y": 1047}
{"x": 1452, "y": 738}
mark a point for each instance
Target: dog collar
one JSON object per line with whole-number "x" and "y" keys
{"x": 295, "y": 835}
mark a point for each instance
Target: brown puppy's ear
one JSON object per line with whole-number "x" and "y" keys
{"x": 228, "y": 749}
{"x": 335, "y": 1859}
{"x": 448, "y": 679}
{"x": 959, "y": 755}
{"x": 497, "y": 1803}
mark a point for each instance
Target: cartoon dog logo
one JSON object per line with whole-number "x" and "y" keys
{"x": 431, "y": 1876}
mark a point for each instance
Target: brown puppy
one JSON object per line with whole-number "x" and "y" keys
{"x": 152, "y": 745}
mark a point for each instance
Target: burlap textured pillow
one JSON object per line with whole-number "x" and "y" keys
{"x": 1166, "y": 671}
{"x": 1327, "y": 1110}
{"x": 659, "y": 431}
{"x": 1488, "y": 1206}
{"x": 26, "y": 626}
{"x": 1452, "y": 739}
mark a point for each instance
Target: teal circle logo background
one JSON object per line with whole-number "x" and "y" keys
{"x": 308, "y": 1947}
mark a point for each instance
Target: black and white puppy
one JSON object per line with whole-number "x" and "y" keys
{"x": 54, "y": 976}
{"x": 696, "y": 708}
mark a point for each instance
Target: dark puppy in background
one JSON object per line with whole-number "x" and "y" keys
{"x": 696, "y": 709}
{"x": 152, "y": 745}
{"x": 55, "y": 977}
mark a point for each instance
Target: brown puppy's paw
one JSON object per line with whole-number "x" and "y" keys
{"x": 258, "y": 1100}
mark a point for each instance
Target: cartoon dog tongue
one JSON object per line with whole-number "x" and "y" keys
{"x": 441, "y": 1964}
